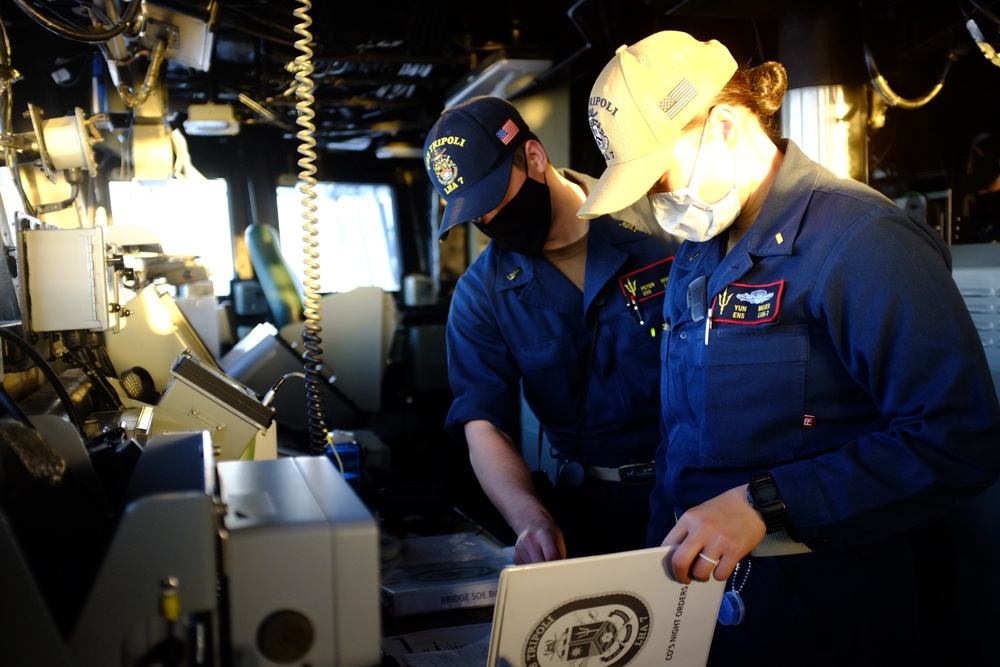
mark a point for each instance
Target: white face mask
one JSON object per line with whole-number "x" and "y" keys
{"x": 682, "y": 213}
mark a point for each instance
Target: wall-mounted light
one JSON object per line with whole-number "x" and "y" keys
{"x": 399, "y": 149}
{"x": 499, "y": 76}
{"x": 350, "y": 144}
{"x": 211, "y": 120}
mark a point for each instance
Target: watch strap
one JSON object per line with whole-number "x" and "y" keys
{"x": 763, "y": 495}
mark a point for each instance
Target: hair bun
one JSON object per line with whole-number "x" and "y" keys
{"x": 768, "y": 81}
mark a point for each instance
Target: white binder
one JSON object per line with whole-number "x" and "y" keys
{"x": 614, "y": 610}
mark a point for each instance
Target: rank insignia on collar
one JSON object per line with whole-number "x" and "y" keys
{"x": 513, "y": 274}
{"x": 753, "y": 304}
{"x": 628, "y": 225}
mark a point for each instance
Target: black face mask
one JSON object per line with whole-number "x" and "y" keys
{"x": 523, "y": 224}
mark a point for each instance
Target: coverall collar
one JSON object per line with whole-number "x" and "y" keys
{"x": 772, "y": 234}
{"x": 532, "y": 274}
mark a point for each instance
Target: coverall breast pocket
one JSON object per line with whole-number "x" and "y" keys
{"x": 753, "y": 394}
{"x": 550, "y": 371}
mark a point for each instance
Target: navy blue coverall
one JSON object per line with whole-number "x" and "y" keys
{"x": 839, "y": 355}
{"x": 517, "y": 321}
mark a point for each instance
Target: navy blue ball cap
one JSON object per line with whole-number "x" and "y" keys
{"x": 468, "y": 156}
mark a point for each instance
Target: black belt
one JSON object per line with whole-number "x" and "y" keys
{"x": 632, "y": 473}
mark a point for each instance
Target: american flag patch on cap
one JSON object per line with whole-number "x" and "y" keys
{"x": 677, "y": 98}
{"x": 507, "y": 133}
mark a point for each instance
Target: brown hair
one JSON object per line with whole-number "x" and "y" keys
{"x": 759, "y": 89}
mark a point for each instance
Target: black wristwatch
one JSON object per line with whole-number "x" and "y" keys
{"x": 763, "y": 494}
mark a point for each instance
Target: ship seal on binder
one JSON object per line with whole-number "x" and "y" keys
{"x": 612, "y": 628}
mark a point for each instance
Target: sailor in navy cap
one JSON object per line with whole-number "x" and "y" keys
{"x": 567, "y": 311}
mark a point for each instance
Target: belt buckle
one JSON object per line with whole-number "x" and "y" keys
{"x": 637, "y": 473}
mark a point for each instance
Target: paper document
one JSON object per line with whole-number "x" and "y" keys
{"x": 441, "y": 646}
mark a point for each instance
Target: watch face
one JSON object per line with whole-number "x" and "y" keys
{"x": 767, "y": 492}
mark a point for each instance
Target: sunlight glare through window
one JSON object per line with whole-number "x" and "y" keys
{"x": 357, "y": 236}
{"x": 189, "y": 217}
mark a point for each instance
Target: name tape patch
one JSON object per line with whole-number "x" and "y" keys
{"x": 647, "y": 282}
{"x": 748, "y": 304}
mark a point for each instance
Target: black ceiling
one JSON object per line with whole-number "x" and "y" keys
{"x": 382, "y": 69}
